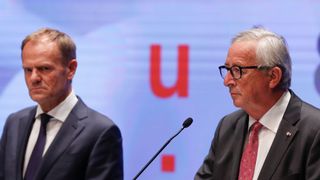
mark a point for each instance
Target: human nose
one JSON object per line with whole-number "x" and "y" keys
{"x": 228, "y": 79}
{"x": 34, "y": 76}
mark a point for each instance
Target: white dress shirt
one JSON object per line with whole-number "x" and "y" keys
{"x": 270, "y": 121}
{"x": 59, "y": 114}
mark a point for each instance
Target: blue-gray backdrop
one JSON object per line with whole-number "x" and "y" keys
{"x": 149, "y": 65}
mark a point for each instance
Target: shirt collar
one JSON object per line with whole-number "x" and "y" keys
{"x": 62, "y": 110}
{"x": 272, "y": 118}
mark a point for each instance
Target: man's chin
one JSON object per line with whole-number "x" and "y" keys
{"x": 37, "y": 97}
{"x": 236, "y": 103}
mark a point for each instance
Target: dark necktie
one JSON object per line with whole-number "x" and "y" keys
{"x": 249, "y": 156}
{"x": 36, "y": 156}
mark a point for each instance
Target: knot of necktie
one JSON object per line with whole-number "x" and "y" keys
{"x": 45, "y": 118}
{"x": 256, "y": 126}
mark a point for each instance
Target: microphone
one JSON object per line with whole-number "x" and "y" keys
{"x": 185, "y": 124}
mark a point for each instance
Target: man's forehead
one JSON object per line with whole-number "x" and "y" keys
{"x": 241, "y": 53}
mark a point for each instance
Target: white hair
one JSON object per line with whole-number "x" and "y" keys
{"x": 271, "y": 51}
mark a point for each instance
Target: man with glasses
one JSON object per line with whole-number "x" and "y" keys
{"x": 275, "y": 135}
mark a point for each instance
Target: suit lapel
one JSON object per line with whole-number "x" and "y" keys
{"x": 25, "y": 127}
{"x": 70, "y": 129}
{"x": 240, "y": 132}
{"x": 285, "y": 135}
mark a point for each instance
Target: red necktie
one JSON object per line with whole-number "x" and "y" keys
{"x": 249, "y": 156}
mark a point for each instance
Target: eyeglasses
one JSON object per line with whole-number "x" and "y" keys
{"x": 236, "y": 71}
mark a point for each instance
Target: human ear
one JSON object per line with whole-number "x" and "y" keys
{"x": 72, "y": 67}
{"x": 275, "y": 74}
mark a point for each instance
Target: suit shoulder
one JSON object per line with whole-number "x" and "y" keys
{"x": 302, "y": 111}
{"x": 97, "y": 116}
{"x": 233, "y": 119}
{"x": 98, "y": 120}
{"x": 234, "y": 116}
{"x": 311, "y": 114}
{"x": 16, "y": 118}
{"x": 84, "y": 113}
{"x": 310, "y": 109}
{"x": 22, "y": 113}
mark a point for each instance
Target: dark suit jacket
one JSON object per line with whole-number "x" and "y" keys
{"x": 294, "y": 153}
{"x": 88, "y": 146}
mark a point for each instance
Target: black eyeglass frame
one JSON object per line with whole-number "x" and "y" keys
{"x": 240, "y": 69}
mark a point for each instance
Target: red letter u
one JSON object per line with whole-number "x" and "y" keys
{"x": 181, "y": 85}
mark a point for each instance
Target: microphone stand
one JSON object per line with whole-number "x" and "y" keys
{"x": 150, "y": 161}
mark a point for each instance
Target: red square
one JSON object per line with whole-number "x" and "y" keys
{"x": 167, "y": 163}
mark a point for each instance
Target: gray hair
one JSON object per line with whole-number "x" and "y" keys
{"x": 66, "y": 45}
{"x": 271, "y": 51}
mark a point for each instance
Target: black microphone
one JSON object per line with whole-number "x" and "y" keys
{"x": 185, "y": 124}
